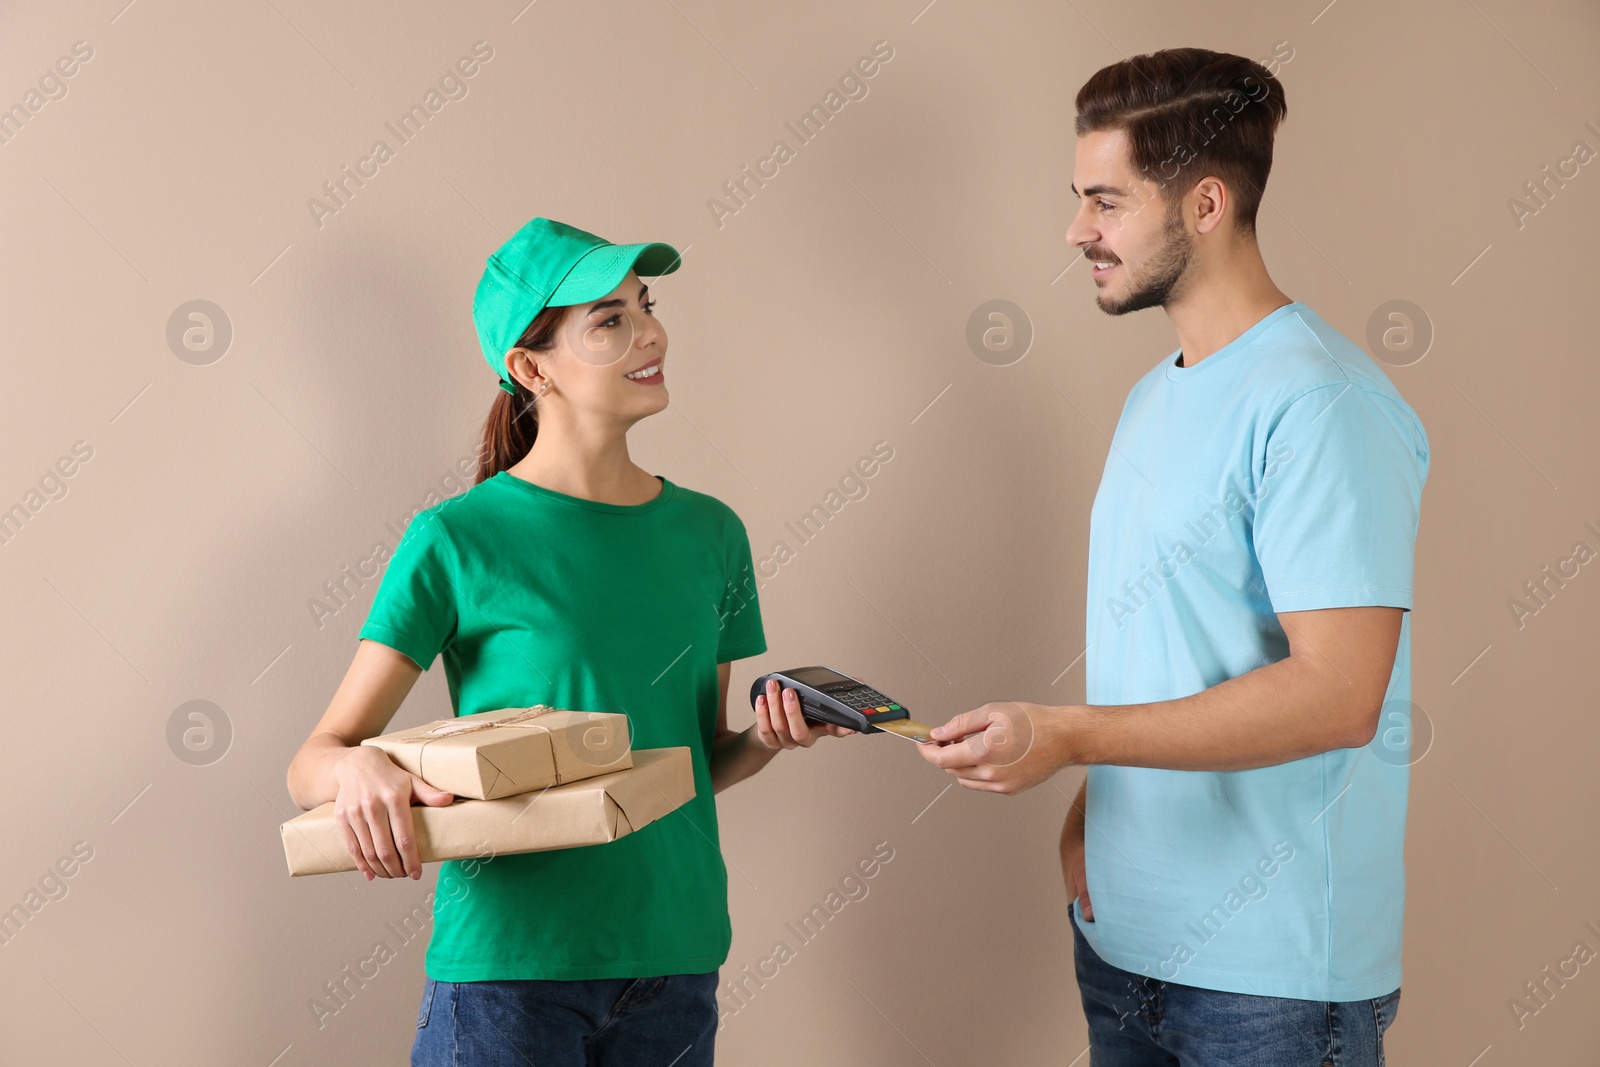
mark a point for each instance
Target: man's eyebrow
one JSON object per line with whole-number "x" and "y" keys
{"x": 1099, "y": 190}
{"x": 643, "y": 289}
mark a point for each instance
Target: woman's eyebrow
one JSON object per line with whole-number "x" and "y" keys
{"x": 643, "y": 289}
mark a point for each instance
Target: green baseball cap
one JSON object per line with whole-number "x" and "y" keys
{"x": 551, "y": 264}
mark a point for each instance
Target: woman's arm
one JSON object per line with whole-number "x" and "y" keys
{"x": 372, "y": 795}
{"x": 737, "y": 754}
{"x": 373, "y": 688}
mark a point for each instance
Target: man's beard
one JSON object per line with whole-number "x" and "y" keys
{"x": 1161, "y": 275}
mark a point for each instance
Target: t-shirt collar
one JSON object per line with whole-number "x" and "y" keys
{"x": 525, "y": 486}
{"x": 1176, "y": 373}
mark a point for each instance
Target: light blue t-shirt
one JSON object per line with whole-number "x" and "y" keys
{"x": 1281, "y": 473}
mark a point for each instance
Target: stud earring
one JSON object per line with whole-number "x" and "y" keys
{"x": 544, "y": 388}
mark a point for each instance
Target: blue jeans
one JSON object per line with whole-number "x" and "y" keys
{"x": 1137, "y": 1021}
{"x": 669, "y": 1021}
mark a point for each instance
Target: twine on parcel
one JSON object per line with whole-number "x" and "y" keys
{"x": 522, "y": 720}
{"x": 452, "y": 727}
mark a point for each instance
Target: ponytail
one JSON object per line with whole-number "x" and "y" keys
{"x": 513, "y": 420}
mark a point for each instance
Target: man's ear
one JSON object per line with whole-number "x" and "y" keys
{"x": 1211, "y": 198}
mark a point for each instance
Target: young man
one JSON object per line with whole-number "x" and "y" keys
{"x": 1237, "y": 898}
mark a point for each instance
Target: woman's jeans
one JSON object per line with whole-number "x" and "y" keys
{"x": 1137, "y": 1021}
{"x": 669, "y": 1021}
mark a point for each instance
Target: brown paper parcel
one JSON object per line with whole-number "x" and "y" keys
{"x": 591, "y": 811}
{"x": 513, "y": 750}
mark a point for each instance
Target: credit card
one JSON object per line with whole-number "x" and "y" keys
{"x": 910, "y": 728}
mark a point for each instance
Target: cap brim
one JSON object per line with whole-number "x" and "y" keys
{"x": 603, "y": 269}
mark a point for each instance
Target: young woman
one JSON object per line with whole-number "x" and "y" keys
{"x": 565, "y": 576}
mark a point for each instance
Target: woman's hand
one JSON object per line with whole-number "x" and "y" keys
{"x": 373, "y": 812}
{"x": 779, "y": 723}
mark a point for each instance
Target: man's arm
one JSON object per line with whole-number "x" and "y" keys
{"x": 1073, "y": 869}
{"x": 1326, "y": 694}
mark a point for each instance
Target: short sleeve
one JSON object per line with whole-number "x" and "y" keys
{"x": 415, "y": 608}
{"x": 740, "y": 633}
{"x": 1338, "y": 499}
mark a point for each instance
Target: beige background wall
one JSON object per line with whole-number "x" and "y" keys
{"x": 177, "y": 563}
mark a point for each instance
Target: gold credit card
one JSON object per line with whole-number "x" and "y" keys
{"x": 920, "y": 733}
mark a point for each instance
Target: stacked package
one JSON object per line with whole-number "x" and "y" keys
{"x": 525, "y": 780}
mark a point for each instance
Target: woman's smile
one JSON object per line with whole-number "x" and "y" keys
{"x": 649, "y": 374}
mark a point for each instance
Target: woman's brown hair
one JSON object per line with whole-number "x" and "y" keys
{"x": 1187, "y": 113}
{"x": 513, "y": 420}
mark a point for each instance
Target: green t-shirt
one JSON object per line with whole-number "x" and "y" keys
{"x": 536, "y": 597}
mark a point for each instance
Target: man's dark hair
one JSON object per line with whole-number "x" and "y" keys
{"x": 1189, "y": 113}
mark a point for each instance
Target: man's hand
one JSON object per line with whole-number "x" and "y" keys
{"x": 1004, "y": 747}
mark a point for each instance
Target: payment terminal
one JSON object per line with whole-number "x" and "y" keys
{"x": 830, "y": 697}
